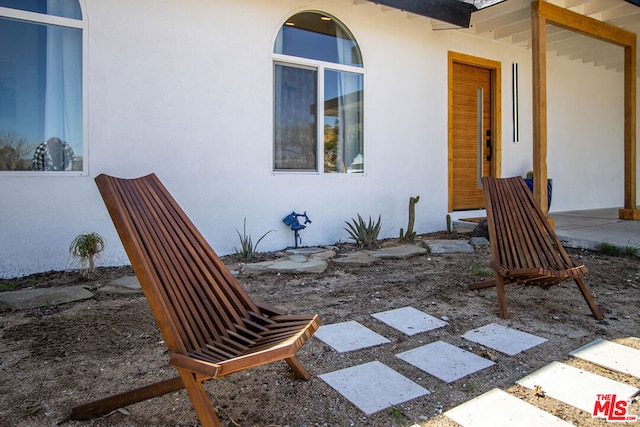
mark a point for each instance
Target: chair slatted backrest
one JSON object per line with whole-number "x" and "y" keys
{"x": 522, "y": 240}
{"x": 192, "y": 294}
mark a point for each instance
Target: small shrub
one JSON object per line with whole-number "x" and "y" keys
{"x": 87, "y": 247}
{"x": 364, "y": 234}
{"x": 631, "y": 250}
{"x": 248, "y": 249}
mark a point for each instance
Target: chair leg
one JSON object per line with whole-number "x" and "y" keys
{"x": 587, "y": 296}
{"x": 297, "y": 368}
{"x": 482, "y": 284}
{"x": 199, "y": 399}
{"x": 108, "y": 404}
{"x": 502, "y": 299}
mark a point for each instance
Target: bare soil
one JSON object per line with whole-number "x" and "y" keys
{"x": 54, "y": 358}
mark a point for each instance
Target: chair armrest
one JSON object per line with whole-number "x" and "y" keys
{"x": 201, "y": 367}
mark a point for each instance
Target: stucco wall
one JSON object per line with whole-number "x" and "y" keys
{"x": 184, "y": 89}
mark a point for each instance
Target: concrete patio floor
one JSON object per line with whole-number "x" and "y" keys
{"x": 588, "y": 228}
{"x": 583, "y": 229}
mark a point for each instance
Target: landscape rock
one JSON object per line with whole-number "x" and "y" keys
{"x": 449, "y": 246}
{"x": 399, "y": 252}
{"x": 125, "y": 285}
{"x": 42, "y": 297}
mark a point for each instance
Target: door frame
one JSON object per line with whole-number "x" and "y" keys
{"x": 496, "y": 113}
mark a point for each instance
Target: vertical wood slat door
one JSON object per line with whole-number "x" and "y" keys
{"x": 471, "y": 127}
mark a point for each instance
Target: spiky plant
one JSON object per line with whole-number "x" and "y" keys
{"x": 248, "y": 249}
{"x": 364, "y": 234}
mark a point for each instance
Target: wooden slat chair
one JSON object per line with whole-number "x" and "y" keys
{"x": 210, "y": 325}
{"x": 524, "y": 247}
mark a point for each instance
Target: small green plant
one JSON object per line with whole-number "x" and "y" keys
{"x": 364, "y": 234}
{"x": 609, "y": 249}
{"x": 472, "y": 386}
{"x": 87, "y": 247}
{"x": 529, "y": 175}
{"x": 478, "y": 270}
{"x": 397, "y": 415}
{"x": 630, "y": 250}
{"x": 9, "y": 286}
{"x": 248, "y": 249}
{"x": 410, "y": 235}
{"x": 448, "y": 223}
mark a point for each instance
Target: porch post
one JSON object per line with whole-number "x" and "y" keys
{"x": 539, "y": 54}
{"x": 630, "y": 210}
{"x": 541, "y": 14}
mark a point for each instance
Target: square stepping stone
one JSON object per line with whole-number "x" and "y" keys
{"x": 505, "y": 340}
{"x": 445, "y": 361}
{"x": 373, "y": 386}
{"x": 498, "y": 408}
{"x": 348, "y": 336}
{"x": 574, "y": 386}
{"x": 610, "y": 355}
{"x": 409, "y": 320}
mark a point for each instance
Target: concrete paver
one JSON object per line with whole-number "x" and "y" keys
{"x": 409, "y": 320}
{"x": 610, "y": 355}
{"x": 373, "y": 386}
{"x": 497, "y": 408}
{"x": 349, "y": 336}
{"x": 574, "y": 386}
{"x": 506, "y": 340}
{"x": 445, "y": 361}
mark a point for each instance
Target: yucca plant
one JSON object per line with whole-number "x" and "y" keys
{"x": 87, "y": 247}
{"x": 248, "y": 249}
{"x": 364, "y": 234}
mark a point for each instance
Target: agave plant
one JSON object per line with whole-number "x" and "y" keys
{"x": 364, "y": 234}
{"x": 248, "y": 249}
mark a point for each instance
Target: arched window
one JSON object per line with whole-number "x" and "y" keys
{"x": 41, "y": 100}
{"x": 317, "y": 58}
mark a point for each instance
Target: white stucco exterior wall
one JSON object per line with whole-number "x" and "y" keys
{"x": 184, "y": 89}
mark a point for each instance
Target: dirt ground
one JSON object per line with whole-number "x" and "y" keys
{"x": 54, "y": 358}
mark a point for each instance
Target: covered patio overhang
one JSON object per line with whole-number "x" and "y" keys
{"x": 543, "y": 13}
{"x": 591, "y": 31}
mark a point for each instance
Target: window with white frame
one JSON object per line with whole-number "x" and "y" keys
{"x": 318, "y": 96}
{"x": 41, "y": 100}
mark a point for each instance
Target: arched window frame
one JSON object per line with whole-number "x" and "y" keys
{"x": 63, "y": 22}
{"x": 321, "y": 67}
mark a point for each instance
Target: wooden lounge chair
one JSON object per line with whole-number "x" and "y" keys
{"x": 210, "y": 325}
{"x": 524, "y": 247}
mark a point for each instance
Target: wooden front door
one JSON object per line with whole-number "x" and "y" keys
{"x": 470, "y": 134}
